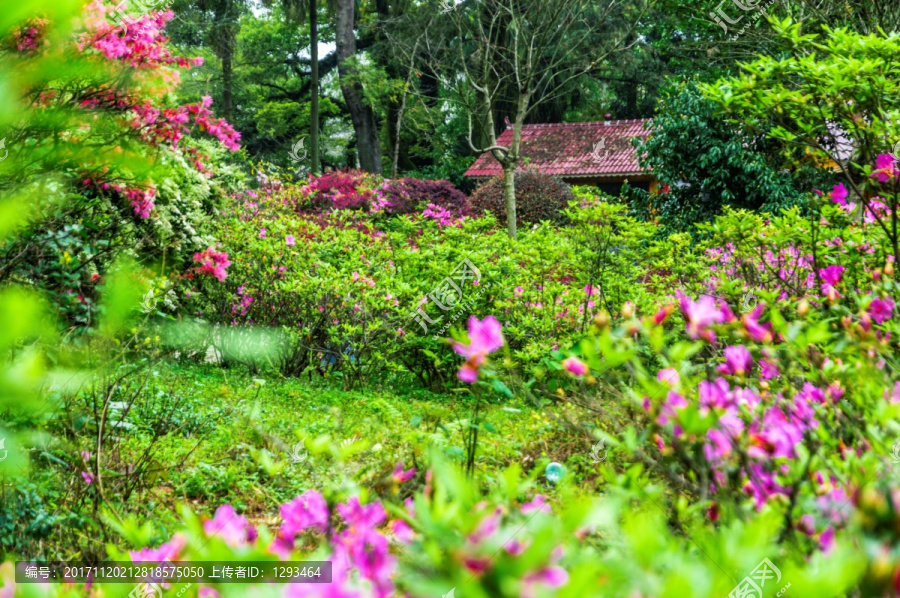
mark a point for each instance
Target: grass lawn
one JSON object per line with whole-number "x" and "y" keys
{"x": 256, "y": 442}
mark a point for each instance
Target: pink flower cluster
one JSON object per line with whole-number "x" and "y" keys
{"x": 170, "y": 125}
{"x": 770, "y": 426}
{"x": 28, "y": 37}
{"x": 485, "y": 542}
{"x": 141, "y": 200}
{"x": 359, "y": 551}
{"x": 137, "y": 40}
{"x": 213, "y": 263}
{"x": 485, "y": 337}
{"x": 442, "y": 216}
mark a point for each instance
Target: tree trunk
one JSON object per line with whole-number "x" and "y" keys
{"x": 509, "y": 188}
{"x": 360, "y": 113}
{"x": 314, "y": 88}
{"x": 227, "y": 97}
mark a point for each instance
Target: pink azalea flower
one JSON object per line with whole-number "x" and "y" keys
{"x": 768, "y": 369}
{"x": 401, "y": 476}
{"x": 667, "y": 412}
{"x": 515, "y": 548}
{"x": 756, "y": 331}
{"x": 536, "y": 504}
{"x": 402, "y": 531}
{"x": 700, "y": 315}
{"x": 362, "y": 516}
{"x": 826, "y": 540}
{"x": 262, "y": 233}
{"x": 886, "y": 168}
{"x": 88, "y": 477}
{"x": 881, "y": 309}
{"x": 552, "y": 577}
{"x": 290, "y": 240}
{"x": 234, "y": 530}
{"x": 485, "y": 337}
{"x": 777, "y": 438}
{"x": 738, "y": 361}
{"x": 668, "y": 376}
{"x": 213, "y": 263}
{"x": 832, "y": 274}
{"x": 839, "y": 195}
{"x": 308, "y": 510}
{"x": 486, "y": 526}
{"x": 575, "y": 366}
{"x": 714, "y": 395}
{"x": 663, "y": 313}
{"x": 718, "y": 447}
{"x": 166, "y": 551}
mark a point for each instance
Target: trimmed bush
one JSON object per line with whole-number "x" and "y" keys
{"x": 539, "y": 198}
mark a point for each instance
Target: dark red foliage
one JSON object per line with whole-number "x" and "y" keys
{"x": 539, "y": 197}
{"x": 408, "y": 195}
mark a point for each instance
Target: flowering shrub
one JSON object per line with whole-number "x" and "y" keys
{"x": 361, "y": 191}
{"x": 449, "y": 538}
{"x": 539, "y": 198}
{"x": 772, "y": 393}
{"x": 112, "y": 165}
{"x": 348, "y": 297}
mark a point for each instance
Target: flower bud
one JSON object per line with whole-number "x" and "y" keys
{"x": 627, "y": 310}
{"x": 803, "y": 308}
{"x": 602, "y": 320}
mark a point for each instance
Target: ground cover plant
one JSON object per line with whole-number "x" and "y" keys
{"x": 206, "y": 357}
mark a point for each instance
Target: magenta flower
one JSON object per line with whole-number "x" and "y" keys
{"x": 234, "y": 529}
{"x": 777, "y": 438}
{"x": 553, "y": 576}
{"x": 207, "y": 592}
{"x": 756, "y": 331}
{"x": 213, "y": 263}
{"x": 368, "y": 551}
{"x": 537, "y": 504}
{"x": 737, "y": 360}
{"x": 715, "y": 395}
{"x": 362, "y": 516}
{"x": 167, "y": 551}
{"x": 401, "y": 476}
{"x": 885, "y": 168}
{"x": 663, "y": 313}
{"x": 515, "y": 548}
{"x": 667, "y": 412}
{"x": 402, "y": 531}
{"x": 308, "y": 510}
{"x": 700, "y": 315}
{"x": 669, "y": 376}
{"x": 832, "y": 274}
{"x": 881, "y": 309}
{"x": 486, "y": 527}
{"x": 290, "y": 240}
{"x": 88, "y": 477}
{"x": 485, "y": 337}
{"x": 262, "y": 233}
{"x": 575, "y": 366}
{"x": 768, "y": 369}
{"x": 718, "y": 447}
{"x": 839, "y": 195}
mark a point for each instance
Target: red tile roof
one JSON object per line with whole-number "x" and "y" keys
{"x": 593, "y": 149}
